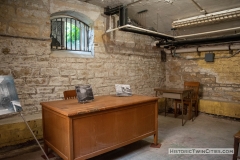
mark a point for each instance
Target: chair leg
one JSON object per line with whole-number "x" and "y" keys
{"x": 175, "y": 109}
{"x": 179, "y": 109}
{"x": 236, "y": 146}
{"x": 196, "y": 109}
{"x": 189, "y": 112}
{"x": 165, "y": 106}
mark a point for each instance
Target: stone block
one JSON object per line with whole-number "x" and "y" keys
{"x": 98, "y": 36}
{"x": 65, "y": 72}
{"x": 58, "y": 81}
{"x": 20, "y": 29}
{"x": 105, "y": 90}
{"x": 19, "y": 82}
{"x": 85, "y": 73}
{"x": 49, "y": 72}
{"x": 77, "y": 66}
{"x": 96, "y": 82}
{"x": 45, "y": 29}
{"x": 101, "y": 55}
{"x": 3, "y": 28}
{"x": 100, "y": 73}
{"x": 22, "y": 72}
{"x": 7, "y": 12}
{"x": 5, "y": 71}
{"x": 37, "y": 81}
{"x": 43, "y": 58}
{"x": 36, "y": 4}
{"x": 31, "y": 13}
{"x": 94, "y": 65}
{"x": 29, "y": 102}
{"x": 208, "y": 80}
{"x": 25, "y": 89}
{"x": 60, "y": 89}
{"x": 77, "y": 82}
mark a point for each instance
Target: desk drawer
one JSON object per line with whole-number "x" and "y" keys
{"x": 172, "y": 95}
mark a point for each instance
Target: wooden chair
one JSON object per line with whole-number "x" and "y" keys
{"x": 236, "y": 145}
{"x": 187, "y": 101}
{"x": 70, "y": 94}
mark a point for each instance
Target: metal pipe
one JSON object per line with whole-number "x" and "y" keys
{"x": 110, "y": 30}
{"x": 199, "y": 7}
{"x": 204, "y": 49}
{"x": 213, "y": 48}
{"x": 110, "y": 21}
{"x": 34, "y": 136}
{"x": 222, "y": 30}
{"x": 235, "y": 46}
{"x": 182, "y": 50}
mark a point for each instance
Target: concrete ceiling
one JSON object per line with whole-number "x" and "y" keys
{"x": 159, "y": 15}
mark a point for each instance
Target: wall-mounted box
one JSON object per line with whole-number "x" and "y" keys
{"x": 209, "y": 57}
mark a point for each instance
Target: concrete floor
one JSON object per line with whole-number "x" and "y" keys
{"x": 206, "y": 131}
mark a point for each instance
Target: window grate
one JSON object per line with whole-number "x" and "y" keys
{"x": 69, "y": 34}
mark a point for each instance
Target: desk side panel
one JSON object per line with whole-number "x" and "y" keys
{"x": 56, "y": 132}
{"x": 101, "y": 132}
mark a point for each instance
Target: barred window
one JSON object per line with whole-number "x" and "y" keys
{"x": 68, "y": 33}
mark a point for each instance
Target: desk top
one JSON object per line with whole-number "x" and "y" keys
{"x": 71, "y": 107}
{"x": 173, "y": 90}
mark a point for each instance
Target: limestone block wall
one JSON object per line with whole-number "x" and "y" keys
{"x": 220, "y": 80}
{"x": 25, "y": 53}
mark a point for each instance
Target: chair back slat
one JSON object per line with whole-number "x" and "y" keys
{"x": 70, "y": 94}
{"x": 195, "y": 86}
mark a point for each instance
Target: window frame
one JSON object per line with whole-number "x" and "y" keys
{"x": 74, "y": 53}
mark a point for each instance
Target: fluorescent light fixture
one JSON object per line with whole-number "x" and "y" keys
{"x": 208, "y": 18}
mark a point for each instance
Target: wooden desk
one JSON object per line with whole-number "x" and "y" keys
{"x": 176, "y": 93}
{"x": 81, "y": 131}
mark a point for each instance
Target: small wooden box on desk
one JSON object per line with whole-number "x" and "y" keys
{"x": 80, "y": 131}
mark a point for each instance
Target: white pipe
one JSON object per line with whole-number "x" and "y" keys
{"x": 213, "y": 48}
{"x": 235, "y": 46}
{"x": 110, "y": 30}
{"x": 182, "y": 50}
{"x": 222, "y": 30}
{"x": 110, "y": 22}
{"x": 204, "y": 49}
{"x": 149, "y": 31}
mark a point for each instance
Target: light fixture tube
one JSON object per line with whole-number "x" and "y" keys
{"x": 208, "y": 18}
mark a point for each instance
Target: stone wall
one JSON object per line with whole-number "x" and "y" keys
{"x": 25, "y": 53}
{"x": 220, "y": 80}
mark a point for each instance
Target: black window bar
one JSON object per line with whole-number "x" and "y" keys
{"x": 69, "y": 34}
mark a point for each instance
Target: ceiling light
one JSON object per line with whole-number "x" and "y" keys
{"x": 208, "y": 18}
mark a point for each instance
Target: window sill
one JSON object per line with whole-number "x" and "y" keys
{"x": 66, "y": 53}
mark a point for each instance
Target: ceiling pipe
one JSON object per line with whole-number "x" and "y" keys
{"x": 199, "y": 7}
{"x": 229, "y": 38}
{"x": 205, "y": 49}
{"x": 197, "y": 34}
